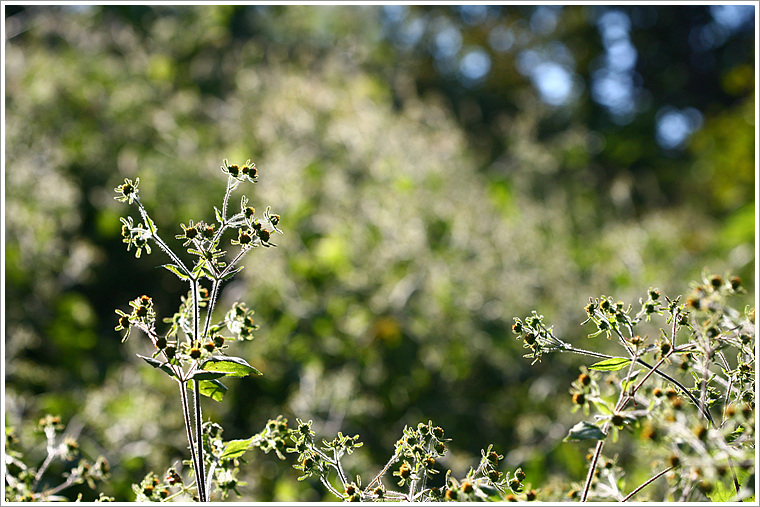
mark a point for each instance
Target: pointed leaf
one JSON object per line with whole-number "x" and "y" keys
{"x": 584, "y": 431}
{"x": 232, "y": 273}
{"x": 148, "y": 222}
{"x": 611, "y": 364}
{"x": 218, "y": 215}
{"x": 157, "y": 364}
{"x": 198, "y": 269}
{"x": 236, "y": 448}
{"x": 232, "y": 366}
{"x": 207, "y": 375}
{"x": 174, "y": 269}
{"x": 211, "y": 388}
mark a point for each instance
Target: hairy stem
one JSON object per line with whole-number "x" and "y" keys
{"x": 330, "y": 487}
{"x": 189, "y": 434}
{"x": 202, "y": 493}
{"x": 382, "y": 472}
{"x": 160, "y": 242}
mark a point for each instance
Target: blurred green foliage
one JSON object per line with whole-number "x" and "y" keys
{"x": 414, "y": 229}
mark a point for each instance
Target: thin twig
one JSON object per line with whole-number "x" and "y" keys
{"x": 331, "y": 488}
{"x": 647, "y": 483}
{"x": 377, "y": 478}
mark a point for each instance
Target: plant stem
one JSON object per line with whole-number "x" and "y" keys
{"x": 331, "y": 488}
{"x": 704, "y": 410}
{"x": 160, "y": 242}
{"x": 647, "y": 483}
{"x": 189, "y": 431}
{"x": 211, "y": 304}
{"x": 622, "y": 400}
{"x": 202, "y": 493}
{"x": 594, "y": 460}
{"x": 382, "y": 472}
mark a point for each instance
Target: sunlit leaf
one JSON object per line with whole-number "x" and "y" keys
{"x": 231, "y": 366}
{"x": 611, "y": 364}
{"x": 211, "y": 388}
{"x": 236, "y": 448}
{"x": 584, "y": 431}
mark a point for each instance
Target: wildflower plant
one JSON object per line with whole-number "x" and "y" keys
{"x": 700, "y": 414}
{"x": 26, "y": 483}
{"x": 192, "y": 349}
{"x": 407, "y": 476}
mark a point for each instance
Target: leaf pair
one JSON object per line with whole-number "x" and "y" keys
{"x": 209, "y": 372}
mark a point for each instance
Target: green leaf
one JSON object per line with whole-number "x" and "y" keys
{"x": 584, "y": 431}
{"x": 207, "y": 375}
{"x": 724, "y": 490}
{"x": 211, "y": 388}
{"x": 625, "y": 383}
{"x": 174, "y": 269}
{"x": 232, "y": 366}
{"x": 232, "y": 273}
{"x": 148, "y": 222}
{"x": 236, "y": 448}
{"x": 611, "y": 364}
{"x": 157, "y": 364}
{"x": 218, "y": 215}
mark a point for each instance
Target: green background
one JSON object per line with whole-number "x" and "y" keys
{"x": 421, "y": 213}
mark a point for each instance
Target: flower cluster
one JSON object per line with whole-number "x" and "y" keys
{"x": 536, "y": 336}
{"x": 241, "y": 173}
{"x": 239, "y": 321}
{"x": 142, "y": 316}
{"x": 24, "y": 483}
{"x": 413, "y": 463}
{"x": 135, "y": 235}
{"x": 253, "y": 231}
{"x": 704, "y": 453}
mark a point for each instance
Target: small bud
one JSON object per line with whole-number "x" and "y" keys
{"x": 195, "y": 352}
{"x": 617, "y": 420}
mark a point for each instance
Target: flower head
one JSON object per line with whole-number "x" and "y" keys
{"x": 247, "y": 171}
{"x": 128, "y": 190}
